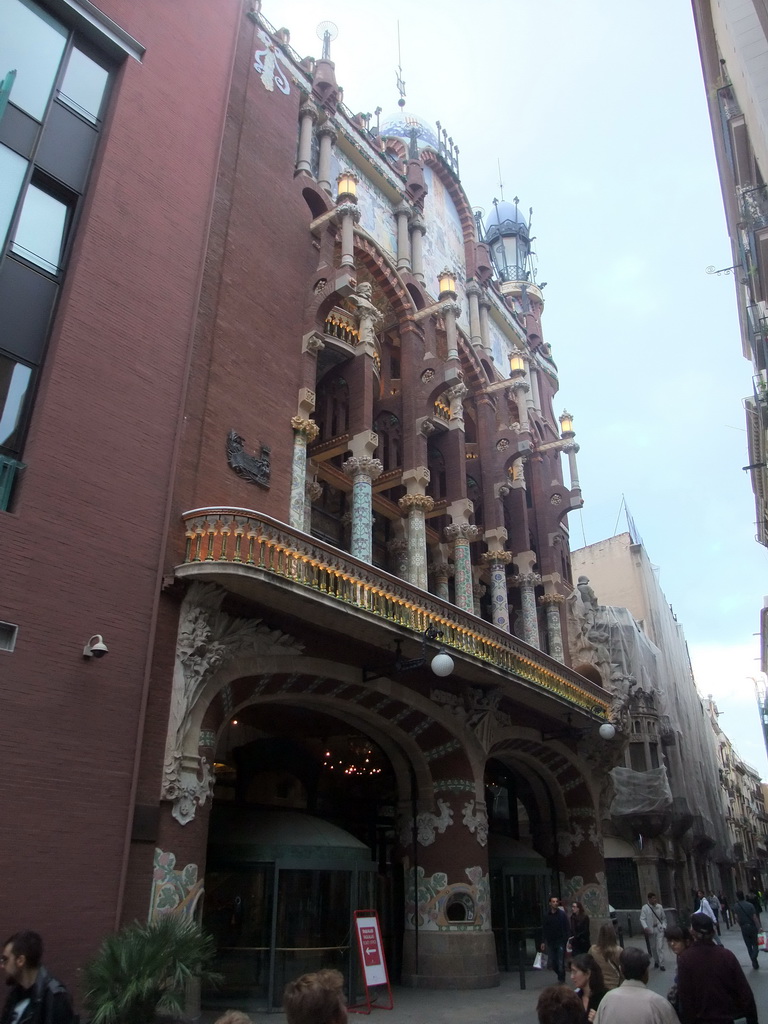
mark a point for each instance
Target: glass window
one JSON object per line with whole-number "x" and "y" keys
{"x": 12, "y": 170}
{"x": 14, "y": 384}
{"x": 32, "y": 43}
{"x": 84, "y": 85}
{"x": 40, "y": 232}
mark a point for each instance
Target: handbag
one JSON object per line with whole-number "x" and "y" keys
{"x": 540, "y": 961}
{"x": 762, "y": 941}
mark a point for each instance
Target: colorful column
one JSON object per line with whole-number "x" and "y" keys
{"x": 304, "y": 431}
{"x": 415, "y": 506}
{"x": 497, "y": 562}
{"x": 551, "y": 603}
{"x": 362, "y": 472}
{"x": 443, "y": 572}
{"x": 462, "y": 535}
{"x": 527, "y": 582}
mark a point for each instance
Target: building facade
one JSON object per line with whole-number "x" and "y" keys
{"x": 695, "y": 819}
{"x": 285, "y": 518}
{"x": 733, "y": 44}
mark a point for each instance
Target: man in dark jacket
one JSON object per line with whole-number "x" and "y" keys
{"x": 748, "y": 920}
{"x": 557, "y": 931}
{"x": 35, "y": 997}
{"x": 711, "y": 985}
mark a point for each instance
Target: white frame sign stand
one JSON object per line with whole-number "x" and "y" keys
{"x": 372, "y": 961}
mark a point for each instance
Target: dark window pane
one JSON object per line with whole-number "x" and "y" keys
{"x": 15, "y": 379}
{"x": 39, "y": 234}
{"x": 84, "y": 85}
{"x": 32, "y": 43}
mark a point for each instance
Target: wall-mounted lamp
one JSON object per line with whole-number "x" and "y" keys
{"x": 442, "y": 664}
{"x": 516, "y": 362}
{"x": 95, "y": 648}
{"x": 346, "y": 187}
{"x": 446, "y": 280}
{"x": 566, "y": 424}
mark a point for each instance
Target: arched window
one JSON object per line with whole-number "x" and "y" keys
{"x": 438, "y": 485}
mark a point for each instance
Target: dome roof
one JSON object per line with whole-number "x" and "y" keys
{"x": 506, "y": 217}
{"x": 403, "y": 123}
{"x": 247, "y": 834}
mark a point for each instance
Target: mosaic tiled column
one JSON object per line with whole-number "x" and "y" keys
{"x": 462, "y": 535}
{"x": 398, "y": 553}
{"x": 497, "y": 562}
{"x": 362, "y": 471}
{"x": 443, "y": 572}
{"x": 304, "y": 431}
{"x": 527, "y": 581}
{"x": 313, "y": 492}
{"x": 551, "y": 603}
{"x": 415, "y": 506}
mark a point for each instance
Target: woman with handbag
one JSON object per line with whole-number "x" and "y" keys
{"x": 606, "y": 952}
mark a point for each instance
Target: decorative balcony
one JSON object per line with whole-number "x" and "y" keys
{"x": 251, "y": 553}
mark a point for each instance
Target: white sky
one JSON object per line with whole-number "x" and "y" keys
{"x": 596, "y": 112}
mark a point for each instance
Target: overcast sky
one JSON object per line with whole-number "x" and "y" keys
{"x": 596, "y": 113}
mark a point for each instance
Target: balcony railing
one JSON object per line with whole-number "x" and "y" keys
{"x": 219, "y": 536}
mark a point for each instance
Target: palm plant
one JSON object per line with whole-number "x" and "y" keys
{"x": 144, "y": 969}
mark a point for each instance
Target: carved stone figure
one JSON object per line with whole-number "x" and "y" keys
{"x": 367, "y": 312}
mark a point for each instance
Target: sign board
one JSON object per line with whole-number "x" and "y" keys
{"x": 371, "y": 952}
{"x": 372, "y": 960}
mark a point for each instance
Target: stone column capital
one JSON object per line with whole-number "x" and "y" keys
{"x": 463, "y": 531}
{"x": 551, "y": 599}
{"x": 403, "y": 208}
{"x": 451, "y": 307}
{"x": 418, "y": 223}
{"x": 327, "y": 129}
{"x": 519, "y": 384}
{"x": 442, "y": 570}
{"x": 526, "y": 579}
{"x": 416, "y": 501}
{"x": 364, "y": 466}
{"x": 457, "y": 391}
{"x": 348, "y": 210}
{"x": 485, "y": 302}
{"x": 308, "y": 109}
{"x": 415, "y": 480}
{"x": 490, "y": 558}
{"x": 312, "y": 343}
{"x": 308, "y": 428}
{"x": 569, "y": 446}
{"x": 473, "y": 288}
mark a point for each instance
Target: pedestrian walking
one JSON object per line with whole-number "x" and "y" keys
{"x": 35, "y": 996}
{"x": 653, "y": 921}
{"x": 711, "y": 985}
{"x": 705, "y": 907}
{"x": 714, "y": 902}
{"x": 748, "y": 920}
{"x": 678, "y": 939}
{"x": 606, "y": 952}
{"x": 579, "y": 940}
{"x": 556, "y": 932}
{"x": 633, "y": 1002}
{"x": 316, "y": 999}
{"x": 725, "y": 907}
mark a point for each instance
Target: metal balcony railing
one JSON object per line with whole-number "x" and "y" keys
{"x": 245, "y": 538}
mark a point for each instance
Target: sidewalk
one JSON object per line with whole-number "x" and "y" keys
{"x": 508, "y": 1005}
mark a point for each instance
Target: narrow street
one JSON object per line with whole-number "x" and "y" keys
{"x": 508, "y": 1005}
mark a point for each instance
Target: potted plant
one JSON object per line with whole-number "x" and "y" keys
{"x": 144, "y": 970}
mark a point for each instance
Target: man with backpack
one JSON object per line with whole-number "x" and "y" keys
{"x": 35, "y": 997}
{"x": 748, "y": 920}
